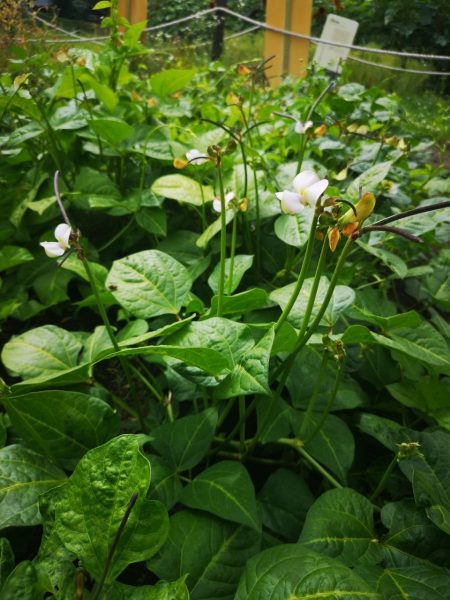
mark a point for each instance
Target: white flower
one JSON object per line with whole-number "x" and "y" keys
{"x": 308, "y": 189}
{"x": 58, "y": 248}
{"x": 301, "y": 127}
{"x": 196, "y": 156}
{"x": 217, "y": 205}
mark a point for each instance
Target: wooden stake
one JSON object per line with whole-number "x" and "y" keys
{"x": 134, "y": 10}
{"x": 291, "y": 54}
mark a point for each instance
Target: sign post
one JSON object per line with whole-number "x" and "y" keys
{"x": 290, "y": 54}
{"x": 133, "y": 10}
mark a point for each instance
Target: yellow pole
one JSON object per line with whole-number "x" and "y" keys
{"x": 134, "y": 10}
{"x": 291, "y": 54}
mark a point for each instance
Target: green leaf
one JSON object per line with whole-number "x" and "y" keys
{"x": 285, "y": 499}
{"x": 250, "y": 375}
{"x": 175, "y": 590}
{"x": 182, "y": 188}
{"x": 412, "y": 538}
{"x": 421, "y": 582}
{"x": 213, "y": 229}
{"x": 368, "y": 181}
{"x": 292, "y": 572}
{"x": 212, "y": 551}
{"x": 428, "y": 471}
{"x": 43, "y": 351}
{"x": 333, "y": 446}
{"x": 340, "y": 524}
{"x": 294, "y": 229}
{"x": 343, "y": 297}
{"x": 408, "y": 319}
{"x": 391, "y": 260}
{"x": 62, "y": 425}
{"x": 242, "y": 263}
{"x": 170, "y": 81}
{"x": 428, "y": 395}
{"x": 274, "y": 419}
{"x": 241, "y": 303}
{"x": 24, "y": 475}
{"x": 423, "y": 343}
{"x": 149, "y": 283}
{"x": 101, "y": 5}
{"x": 186, "y": 441}
{"x": 6, "y": 560}
{"x": 11, "y": 256}
{"x": 113, "y": 131}
{"x": 165, "y": 485}
{"x": 225, "y": 490}
{"x": 153, "y": 220}
{"x": 22, "y": 583}
{"x": 95, "y": 500}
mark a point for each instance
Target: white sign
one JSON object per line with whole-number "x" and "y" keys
{"x": 337, "y": 29}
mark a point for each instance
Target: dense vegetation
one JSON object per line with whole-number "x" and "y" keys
{"x": 220, "y": 380}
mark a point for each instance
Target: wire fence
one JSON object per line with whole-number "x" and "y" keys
{"x": 256, "y": 25}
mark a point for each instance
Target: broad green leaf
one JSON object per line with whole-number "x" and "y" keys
{"x": 333, "y": 446}
{"x": 170, "y": 81}
{"x": 114, "y": 131}
{"x": 303, "y": 378}
{"x": 132, "y": 36}
{"x": 175, "y": 590}
{"x": 242, "y": 263}
{"x": 101, "y": 5}
{"x": 96, "y": 344}
{"x": 421, "y": 582}
{"x": 428, "y": 395}
{"x": 11, "y": 256}
{"x": 391, "y": 260}
{"x": 343, "y": 297}
{"x": 274, "y": 419}
{"x": 368, "y": 181}
{"x": 285, "y": 499}
{"x": 212, "y": 552}
{"x": 422, "y": 343}
{"x": 6, "y": 560}
{"x": 182, "y": 188}
{"x": 428, "y": 471}
{"x": 95, "y": 500}
{"x": 165, "y": 485}
{"x": 62, "y": 425}
{"x": 412, "y": 538}
{"x": 153, "y": 220}
{"x": 243, "y": 302}
{"x": 51, "y": 288}
{"x": 294, "y": 229}
{"x": 24, "y": 475}
{"x": 103, "y": 92}
{"x": 22, "y": 583}
{"x": 340, "y": 524}
{"x": 186, "y": 441}
{"x": 292, "y": 572}
{"x": 387, "y": 432}
{"x": 408, "y": 319}
{"x": 225, "y": 490}
{"x": 232, "y": 340}
{"x": 149, "y": 283}
{"x": 43, "y": 351}
{"x": 250, "y": 374}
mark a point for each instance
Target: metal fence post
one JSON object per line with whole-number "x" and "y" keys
{"x": 219, "y": 32}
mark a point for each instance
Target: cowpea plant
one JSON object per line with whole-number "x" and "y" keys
{"x": 228, "y": 375}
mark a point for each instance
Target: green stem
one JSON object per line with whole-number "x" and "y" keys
{"x": 382, "y": 484}
{"x": 315, "y": 394}
{"x": 329, "y": 404}
{"x": 297, "y": 445}
{"x": 301, "y": 152}
{"x": 113, "y": 547}
{"x": 258, "y": 225}
{"x": 117, "y": 235}
{"x": 223, "y": 242}
{"x": 242, "y": 418}
{"x": 226, "y": 411}
{"x": 232, "y": 254}
{"x": 301, "y": 277}
{"x": 147, "y": 384}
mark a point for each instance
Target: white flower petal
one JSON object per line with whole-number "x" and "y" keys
{"x": 299, "y": 127}
{"x": 304, "y": 180}
{"x": 290, "y": 202}
{"x": 196, "y": 156}
{"x": 229, "y": 198}
{"x": 307, "y": 125}
{"x": 62, "y": 234}
{"x": 217, "y": 205}
{"x": 53, "y": 249}
{"x": 313, "y": 192}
